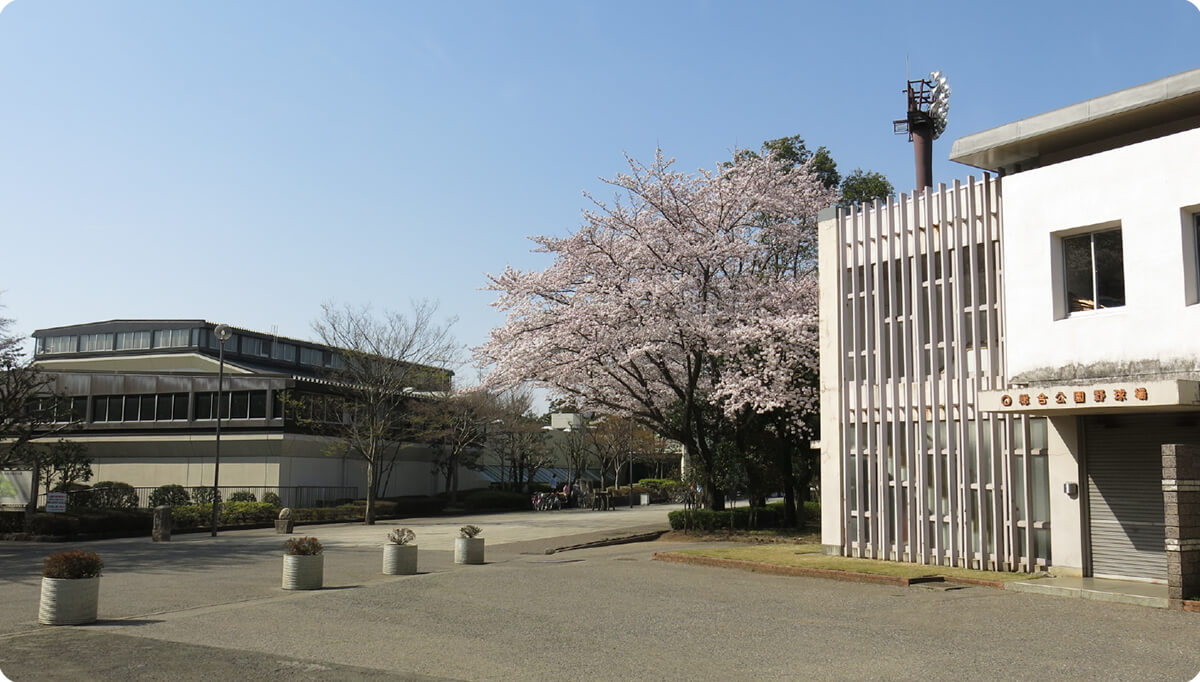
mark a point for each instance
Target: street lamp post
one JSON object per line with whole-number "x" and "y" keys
{"x": 223, "y": 333}
{"x": 631, "y": 479}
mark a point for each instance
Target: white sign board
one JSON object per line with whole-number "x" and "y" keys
{"x": 56, "y": 502}
{"x": 14, "y": 487}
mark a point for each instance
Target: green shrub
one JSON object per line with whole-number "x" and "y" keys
{"x": 107, "y": 495}
{"x": 742, "y": 518}
{"x": 272, "y": 499}
{"x": 75, "y": 565}
{"x": 190, "y": 515}
{"x": 204, "y": 495}
{"x": 55, "y": 524}
{"x": 243, "y": 496}
{"x": 537, "y": 487}
{"x": 478, "y": 500}
{"x": 232, "y": 514}
{"x": 171, "y": 494}
{"x": 417, "y": 505}
{"x": 12, "y": 521}
{"x": 98, "y": 521}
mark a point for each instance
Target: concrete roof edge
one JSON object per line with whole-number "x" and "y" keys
{"x": 1112, "y": 104}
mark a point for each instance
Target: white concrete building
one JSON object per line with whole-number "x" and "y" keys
{"x": 1056, "y": 306}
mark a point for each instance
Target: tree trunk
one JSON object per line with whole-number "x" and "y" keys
{"x": 453, "y": 479}
{"x": 369, "y": 515}
{"x": 784, "y": 459}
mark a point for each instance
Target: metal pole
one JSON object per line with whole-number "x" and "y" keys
{"x": 216, "y": 499}
{"x": 631, "y": 480}
{"x": 922, "y": 135}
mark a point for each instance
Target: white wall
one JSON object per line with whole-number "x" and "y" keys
{"x": 1145, "y": 187}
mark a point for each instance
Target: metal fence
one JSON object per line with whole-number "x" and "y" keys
{"x": 290, "y": 496}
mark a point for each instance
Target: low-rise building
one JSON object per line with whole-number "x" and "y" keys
{"x": 1008, "y": 364}
{"x": 145, "y": 395}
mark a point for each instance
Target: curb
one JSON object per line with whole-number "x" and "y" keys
{"x": 772, "y": 569}
{"x": 607, "y": 542}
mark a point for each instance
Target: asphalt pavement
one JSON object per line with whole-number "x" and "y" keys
{"x": 212, "y": 609}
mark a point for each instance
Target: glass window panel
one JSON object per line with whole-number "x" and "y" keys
{"x": 131, "y": 408}
{"x": 283, "y": 351}
{"x": 253, "y": 346}
{"x": 311, "y": 356}
{"x": 61, "y": 344}
{"x": 100, "y": 408}
{"x": 1110, "y": 270}
{"x": 95, "y": 342}
{"x": 225, "y": 400}
{"x": 147, "y": 410}
{"x": 204, "y": 403}
{"x": 240, "y": 405}
{"x": 163, "y": 412}
{"x": 179, "y": 407}
{"x": 1038, "y": 439}
{"x": 78, "y": 408}
{"x": 1077, "y": 273}
{"x": 133, "y": 340}
{"x": 258, "y": 405}
{"x": 171, "y": 338}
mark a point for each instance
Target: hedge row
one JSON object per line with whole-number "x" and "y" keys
{"x": 742, "y": 518}
{"x": 88, "y": 521}
{"x": 491, "y": 500}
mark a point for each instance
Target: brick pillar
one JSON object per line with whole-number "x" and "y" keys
{"x": 1181, "y": 516}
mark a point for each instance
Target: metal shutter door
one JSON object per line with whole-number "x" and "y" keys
{"x": 1125, "y": 503}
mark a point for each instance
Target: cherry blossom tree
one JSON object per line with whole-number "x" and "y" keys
{"x": 688, "y": 290}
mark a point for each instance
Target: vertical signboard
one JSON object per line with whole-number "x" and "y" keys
{"x": 14, "y": 487}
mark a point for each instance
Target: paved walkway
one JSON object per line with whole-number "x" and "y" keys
{"x": 205, "y": 609}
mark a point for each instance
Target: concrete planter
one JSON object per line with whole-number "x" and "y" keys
{"x": 69, "y": 601}
{"x": 303, "y": 572}
{"x": 399, "y": 559}
{"x": 468, "y": 550}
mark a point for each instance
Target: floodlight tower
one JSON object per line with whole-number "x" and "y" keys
{"x": 928, "y": 106}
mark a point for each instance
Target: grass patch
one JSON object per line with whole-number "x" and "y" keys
{"x": 810, "y": 556}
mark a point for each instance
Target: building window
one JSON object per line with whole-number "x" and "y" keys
{"x": 312, "y": 356}
{"x": 95, "y": 342}
{"x": 283, "y": 351}
{"x": 234, "y": 405}
{"x": 171, "y": 338}
{"x": 133, "y": 340}
{"x": 253, "y": 346}
{"x": 108, "y": 408}
{"x": 1094, "y": 271}
{"x": 60, "y": 344}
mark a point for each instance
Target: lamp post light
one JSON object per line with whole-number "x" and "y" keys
{"x": 223, "y": 334}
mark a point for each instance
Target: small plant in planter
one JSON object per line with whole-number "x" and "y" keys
{"x": 399, "y": 554}
{"x": 468, "y": 547}
{"x": 284, "y": 524}
{"x": 303, "y": 564}
{"x": 70, "y": 588}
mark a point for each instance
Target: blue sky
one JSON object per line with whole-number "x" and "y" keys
{"x": 244, "y": 161}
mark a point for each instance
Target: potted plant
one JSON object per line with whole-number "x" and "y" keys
{"x": 468, "y": 548}
{"x": 399, "y": 554}
{"x": 284, "y": 524}
{"x": 303, "y": 564}
{"x": 70, "y": 588}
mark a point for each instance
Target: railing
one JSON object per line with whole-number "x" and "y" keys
{"x": 290, "y": 496}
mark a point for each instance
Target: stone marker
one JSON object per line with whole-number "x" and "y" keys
{"x": 162, "y": 524}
